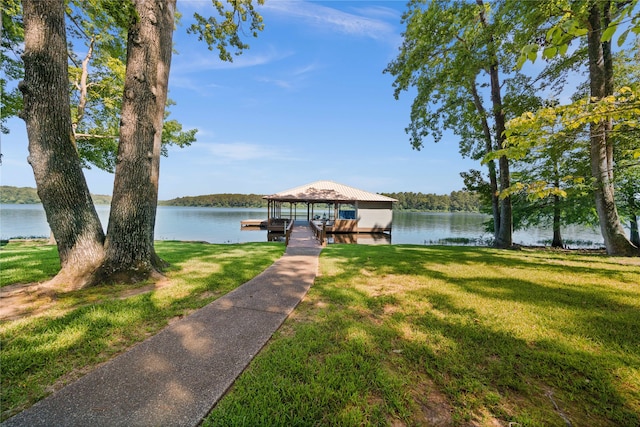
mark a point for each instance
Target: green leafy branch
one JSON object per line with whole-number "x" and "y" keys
{"x": 572, "y": 26}
{"x": 224, "y": 32}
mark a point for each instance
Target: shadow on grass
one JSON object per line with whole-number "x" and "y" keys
{"x": 587, "y": 310}
{"x": 19, "y": 265}
{"x": 41, "y": 354}
{"x": 498, "y": 333}
{"x": 478, "y": 362}
{"x": 398, "y": 259}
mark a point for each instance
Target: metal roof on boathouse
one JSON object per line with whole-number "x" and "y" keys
{"x": 327, "y": 191}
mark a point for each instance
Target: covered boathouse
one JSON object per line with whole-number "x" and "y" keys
{"x": 336, "y": 207}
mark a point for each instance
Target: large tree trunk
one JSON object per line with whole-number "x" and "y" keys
{"x": 608, "y": 81}
{"x": 130, "y": 254}
{"x": 601, "y": 152}
{"x": 162, "y": 90}
{"x": 56, "y": 166}
{"x": 504, "y": 236}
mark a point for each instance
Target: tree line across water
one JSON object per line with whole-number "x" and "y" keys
{"x": 456, "y": 201}
{"x": 10, "y": 195}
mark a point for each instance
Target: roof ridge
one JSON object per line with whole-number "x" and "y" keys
{"x": 329, "y": 190}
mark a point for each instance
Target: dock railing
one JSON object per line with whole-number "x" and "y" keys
{"x": 287, "y": 231}
{"x": 319, "y": 231}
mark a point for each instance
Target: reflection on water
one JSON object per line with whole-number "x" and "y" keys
{"x": 360, "y": 238}
{"x": 213, "y": 225}
{"x": 22, "y": 221}
{"x": 274, "y": 236}
{"x": 222, "y": 225}
{"x": 431, "y": 227}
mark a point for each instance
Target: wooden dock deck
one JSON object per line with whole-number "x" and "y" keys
{"x": 278, "y": 225}
{"x": 253, "y": 223}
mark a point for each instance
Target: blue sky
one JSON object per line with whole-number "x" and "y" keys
{"x": 308, "y": 101}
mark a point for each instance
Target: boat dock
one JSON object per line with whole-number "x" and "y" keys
{"x": 253, "y": 223}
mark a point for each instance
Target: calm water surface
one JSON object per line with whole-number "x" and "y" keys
{"x": 222, "y": 225}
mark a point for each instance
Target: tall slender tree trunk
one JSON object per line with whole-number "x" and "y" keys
{"x": 56, "y": 166}
{"x": 608, "y": 81}
{"x": 601, "y": 152}
{"x": 557, "y": 212}
{"x": 493, "y": 180}
{"x": 557, "y": 208}
{"x": 634, "y": 234}
{"x": 504, "y": 235}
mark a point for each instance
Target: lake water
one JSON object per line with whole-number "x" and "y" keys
{"x": 222, "y": 225}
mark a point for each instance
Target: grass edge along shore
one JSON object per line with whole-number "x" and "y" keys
{"x": 388, "y": 335}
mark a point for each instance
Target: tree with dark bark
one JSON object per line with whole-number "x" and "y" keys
{"x": 127, "y": 253}
{"x": 601, "y": 85}
{"x": 550, "y": 183}
{"x": 504, "y": 233}
{"x": 52, "y": 155}
{"x": 594, "y": 22}
{"x": 450, "y": 50}
{"x": 129, "y": 250}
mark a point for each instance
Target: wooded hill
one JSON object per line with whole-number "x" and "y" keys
{"x": 226, "y": 200}
{"x": 27, "y": 195}
{"x": 457, "y": 201}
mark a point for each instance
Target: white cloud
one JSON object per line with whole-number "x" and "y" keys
{"x": 285, "y": 84}
{"x": 238, "y": 151}
{"x": 305, "y": 69}
{"x": 184, "y": 83}
{"x": 242, "y": 151}
{"x": 194, "y": 62}
{"x": 193, "y": 84}
{"x": 380, "y": 12}
{"x": 291, "y": 79}
{"x": 334, "y": 19}
{"x": 202, "y": 132}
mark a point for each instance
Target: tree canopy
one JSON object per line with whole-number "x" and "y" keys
{"x": 451, "y": 52}
{"x": 96, "y": 36}
{"x": 465, "y": 61}
{"x": 609, "y": 110}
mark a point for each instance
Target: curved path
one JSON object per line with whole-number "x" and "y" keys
{"x": 176, "y": 377}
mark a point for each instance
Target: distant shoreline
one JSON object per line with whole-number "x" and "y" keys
{"x": 456, "y": 201}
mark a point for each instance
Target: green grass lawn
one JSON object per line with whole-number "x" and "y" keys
{"x": 388, "y": 335}
{"x": 411, "y": 335}
{"x": 75, "y": 331}
{"x": 28, "y": 261}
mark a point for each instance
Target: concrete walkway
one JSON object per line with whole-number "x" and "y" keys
{"x": 176, "y": 377}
